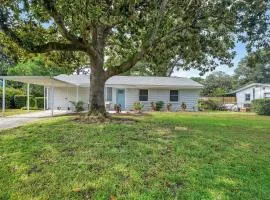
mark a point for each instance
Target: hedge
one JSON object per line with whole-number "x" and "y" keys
{"x": 261, "y": 106}
{"x": 40, "y": 102}
{"x": 9, "y": 96}
{"x": 21, "y": 101}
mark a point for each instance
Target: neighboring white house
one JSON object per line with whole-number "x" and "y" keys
{"x": 246, "y": 94}
{"x": 124, "y": 90}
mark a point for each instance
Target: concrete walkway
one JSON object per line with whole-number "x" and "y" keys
{"x": 22, "y": 119}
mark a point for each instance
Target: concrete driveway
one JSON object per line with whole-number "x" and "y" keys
{"x": 22, "y": 119}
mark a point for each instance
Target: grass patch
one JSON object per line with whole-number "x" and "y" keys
{"x": 211, "y": 156}
{"x": 10, "y": 112}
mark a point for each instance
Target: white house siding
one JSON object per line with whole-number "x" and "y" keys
{"x": 63, "y": 96}
{"x": 188, "y": 96}
{"x": 260, "y": 93}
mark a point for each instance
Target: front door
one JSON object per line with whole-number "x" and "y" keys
{"x": 120, "y": 98}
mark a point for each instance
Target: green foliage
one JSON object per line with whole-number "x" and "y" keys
{"x": 157, "y": 106}
{"x": 78, "y": 106}
{"x": 217, "y": 84}
{"x": 21, "y": 101}
{"x": 40, "y": 102}
{"x": 38, "y": 66}
{"x": 209, "y": 104}
{"x": 254, "y": 68}
{"x": 261, "y": 106}
{"x": 138, "y": 106}
{"x": 9, "y": 96}
{"x": 158, "y": 29}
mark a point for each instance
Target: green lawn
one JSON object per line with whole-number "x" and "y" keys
{"x": 220, "y": 156}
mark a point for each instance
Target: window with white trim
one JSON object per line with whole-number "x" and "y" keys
{"x": 143, "y": 95}
{"x": 247, "y": 97}
{"x": 109, "y": 94}
{"x": 174, "y": 95}
{"x": 267, "y": 95}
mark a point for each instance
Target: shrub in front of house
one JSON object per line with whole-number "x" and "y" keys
{"x": 169, "y": 107}
{"x": 157, "y": 106}
{"x": 208, "y": 104}
{"x": 261, "y": 106}
{"x": 183, "y": 106}
{"x": 117, "y": 108}
{"x": 138, "y": 106}
{"x": 78, "y": 106}
{"x": 21, "y": 101}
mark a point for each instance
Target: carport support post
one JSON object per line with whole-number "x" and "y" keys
{"x": 52, "y": 101}
{"x": 4, "y": 98}
{"x": 28, "y": 100}
{"x": 77, "y": 94}
{"x": 44, "y": 98}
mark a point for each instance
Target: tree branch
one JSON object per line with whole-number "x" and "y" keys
{"x": 130, "y": 62}
{"x": 49, "y": 5}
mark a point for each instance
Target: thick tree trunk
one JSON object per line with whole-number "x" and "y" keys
{"x": 96, "y": 99}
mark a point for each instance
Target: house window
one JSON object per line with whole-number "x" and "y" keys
{"x": 253, "y": 93}
{"x": 247, "y": 97}
{"x": 173, "y": 95}
{"x": 267, "y": 95}
{"x": 109, "y": 94}
{"x": 143, "y": 95}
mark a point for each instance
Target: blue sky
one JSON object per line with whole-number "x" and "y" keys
{"x": 240, "y": 53}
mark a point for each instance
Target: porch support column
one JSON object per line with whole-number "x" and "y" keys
{"x": 52, "y": 101}
{"x": 28, "y": 97}
{"x": 44, "y": 98}
{"x": 3, "y": 97}
{"x": 77, "y": 94}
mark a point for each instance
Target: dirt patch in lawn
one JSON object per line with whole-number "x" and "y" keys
{"x": 101, "y": 120}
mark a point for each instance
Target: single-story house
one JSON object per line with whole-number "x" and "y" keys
{"x": 124, "y": 90}
{"x": 246, "y": 94}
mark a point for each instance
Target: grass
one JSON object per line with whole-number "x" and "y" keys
{"x": 10, "y": 112}
{"x": 219, "y": 156}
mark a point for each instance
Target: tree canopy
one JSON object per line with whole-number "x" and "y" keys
{"x": 254, "y": 68}
{"x": 217, "y": 84}
{"x": 117, "y": 34}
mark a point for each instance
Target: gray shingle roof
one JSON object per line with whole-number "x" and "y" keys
{"x": 178, "y": 82}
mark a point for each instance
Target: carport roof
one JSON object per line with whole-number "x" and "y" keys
{"x": 38, "y": 80}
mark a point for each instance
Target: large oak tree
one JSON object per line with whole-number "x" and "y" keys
{"x": 117, "y": 34}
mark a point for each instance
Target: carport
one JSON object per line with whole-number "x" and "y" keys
{"x": 45, "y": 81}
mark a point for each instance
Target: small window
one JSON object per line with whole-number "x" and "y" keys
{"x": 173, "y": 95}
{"x": 143, "y": 95}
{"x": 247, "y": 97}
{"x": 109, "y": 94}
{"x": 253, "y": 93}
{"x": 267, "y": 95}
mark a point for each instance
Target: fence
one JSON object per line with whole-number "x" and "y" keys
{"x": 222, "y": 100}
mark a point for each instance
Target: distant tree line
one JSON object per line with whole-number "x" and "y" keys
{"x": 254, "y": 68}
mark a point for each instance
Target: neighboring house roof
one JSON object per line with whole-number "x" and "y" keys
{"x": 134, "y": 81}
{"x": 251, "y": 85}
{"x": 117, "y": 81}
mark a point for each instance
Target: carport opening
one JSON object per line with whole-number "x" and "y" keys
{"x": 46, "y": 82}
